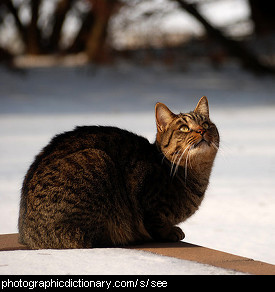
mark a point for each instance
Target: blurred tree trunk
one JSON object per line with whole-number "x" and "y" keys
{"x": 96, "y": 41}
{"x": 30, "y": 34}
{"x": 91, "y": 37}
{"x": 234, "y": 48}
{"x": 78, "y": 45}
{"x": 14, "y": 12}
{"x": 59, "y": 16}
{"x": 262, "y": 15}
{"x": 33, "y": 33}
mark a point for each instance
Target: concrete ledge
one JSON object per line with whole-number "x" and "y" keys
{"x": 180, "y": 250}
{"x": 191, "y": 252}
{"x": 10, "y": 242}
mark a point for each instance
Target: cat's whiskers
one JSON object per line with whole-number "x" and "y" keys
{"x": 186, "y": 161}
{"x": 214, "y": 145}
{"x": 164, "y": 155}
{"x": 174, "y": 158}
{"x": 223, "y": 150}
{"x": 179, "y": 160}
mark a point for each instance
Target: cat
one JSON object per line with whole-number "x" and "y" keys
{"x": 100, "y": 186}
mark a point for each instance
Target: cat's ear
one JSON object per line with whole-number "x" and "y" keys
{"x": 202, "y": 107}
{"x": 163, "y": 116}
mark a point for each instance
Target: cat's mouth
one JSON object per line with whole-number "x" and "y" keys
{"x": 202, "y": 142}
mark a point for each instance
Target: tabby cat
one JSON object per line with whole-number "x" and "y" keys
{"x": 101, "y": 186}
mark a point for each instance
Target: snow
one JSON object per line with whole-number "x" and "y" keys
{"x": 101, "y": 261}
{"x": 237, "y": 214}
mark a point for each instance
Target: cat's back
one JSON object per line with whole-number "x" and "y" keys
{"x": 96, "y": 137}
{"x": 112, "y": 140}
{"x": 120, "y": 145}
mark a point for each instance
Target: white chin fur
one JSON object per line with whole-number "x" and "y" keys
{"x": 201, "y": 148}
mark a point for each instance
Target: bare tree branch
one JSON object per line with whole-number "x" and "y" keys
{"x": 62, "y": 9}
{"x": 79, "y": 42}
{"x": 247, "y": 58}
{"x": 20, "y": 27}
{"x": 33, "y": 32}
{"x": 103, "y": 10}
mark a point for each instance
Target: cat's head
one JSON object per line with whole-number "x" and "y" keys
{"x": 186, "y": 135}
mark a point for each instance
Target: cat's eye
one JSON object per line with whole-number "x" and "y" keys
{"x": 184, "y": 129}
{"x": 205, "y": 125}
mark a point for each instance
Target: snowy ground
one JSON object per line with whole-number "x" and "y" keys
{"x": 237, "y": 215}
{"x": 101, "y": 261}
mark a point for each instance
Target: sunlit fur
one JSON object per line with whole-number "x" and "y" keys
{"x": 188, "y": 141}
{"x": 188, "y": 149}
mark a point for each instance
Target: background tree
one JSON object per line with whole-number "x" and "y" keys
{"x": 42, "y": 27}
{"x": 233, "y": 47}
{"x": 262, "y": 15}
{"x": 45, "y": 37}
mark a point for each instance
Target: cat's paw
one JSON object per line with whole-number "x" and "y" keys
{"x": 176, "y": 234}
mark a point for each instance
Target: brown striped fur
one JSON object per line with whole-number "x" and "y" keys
{"x": 103, "y": 186}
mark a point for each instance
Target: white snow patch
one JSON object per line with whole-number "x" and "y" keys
{"x": 100, "y": 261}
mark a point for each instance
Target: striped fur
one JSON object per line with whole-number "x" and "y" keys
{"x": 103, "y": 186}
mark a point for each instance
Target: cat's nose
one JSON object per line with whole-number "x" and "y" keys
{"x": 201, "y": 131}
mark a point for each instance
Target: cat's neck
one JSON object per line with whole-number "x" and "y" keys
{"x": 194, "y": 174}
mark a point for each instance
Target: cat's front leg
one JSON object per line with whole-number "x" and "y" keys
{"x": 162, "y": 230}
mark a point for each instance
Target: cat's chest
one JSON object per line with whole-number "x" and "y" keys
{"x": 181, "y": 202}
